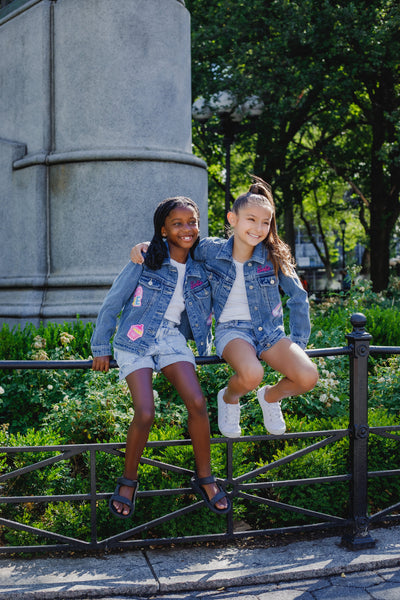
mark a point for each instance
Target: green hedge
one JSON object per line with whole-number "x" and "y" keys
{"x": 41, "y": 408}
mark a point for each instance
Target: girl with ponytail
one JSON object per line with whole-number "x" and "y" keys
{"x": 247, "y": 274}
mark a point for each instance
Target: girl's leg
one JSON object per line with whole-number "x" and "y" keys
{"x": 242, "y": 357}
{"x": 183, "y": 377}
{"x": 300, "y": 373}
{"x": 141, "y": 389}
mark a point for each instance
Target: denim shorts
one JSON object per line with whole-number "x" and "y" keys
{"x": 169, "y": 347}
{"x": 243, "y": 330}
{"x": 233, "y": 330}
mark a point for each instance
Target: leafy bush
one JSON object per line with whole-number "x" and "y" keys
{"x": 77, "y": 406}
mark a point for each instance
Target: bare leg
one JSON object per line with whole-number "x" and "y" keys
{"x": 140, "y": 387}
{"x": 183, "y": 377}
{"x": 241, "y": 356}
{"x": 300, "y": 373}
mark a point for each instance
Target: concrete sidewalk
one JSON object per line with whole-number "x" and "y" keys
{"x": 183, "y": 569}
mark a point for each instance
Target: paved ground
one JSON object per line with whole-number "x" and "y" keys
{"x": 303, "y": 570}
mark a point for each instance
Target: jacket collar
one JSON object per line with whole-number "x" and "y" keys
{"x": 193, "y": 267}
{"x": 259, "y": 254}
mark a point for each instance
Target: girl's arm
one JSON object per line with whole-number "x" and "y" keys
{"x": 136, "y": 255}
{"x": 119, "y": 294}
{"x": 299, "y": 319}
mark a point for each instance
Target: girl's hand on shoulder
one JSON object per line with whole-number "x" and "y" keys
{"x": 136, "y": 252}
{"x": 101, "y": 363}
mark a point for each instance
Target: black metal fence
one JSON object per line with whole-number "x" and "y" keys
{"x": 355, "y": 528}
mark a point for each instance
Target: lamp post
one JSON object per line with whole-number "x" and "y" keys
{"x": 230, "y": 113}
{"x": 342, "y": 226}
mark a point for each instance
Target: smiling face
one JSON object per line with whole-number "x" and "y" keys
{"x": 181, "y": 228}
{"x": 251, "y": 224}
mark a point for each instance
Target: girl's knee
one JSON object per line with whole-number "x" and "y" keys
{"x": 310, "y": 377}
{"x": 252, "y": 376}
{"x": 197, "y": 406}
{"x": 144, "y": 417}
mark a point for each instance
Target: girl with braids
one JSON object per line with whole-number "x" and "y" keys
{"x": 246, "y": 273}
{"x": 163, "y": 303}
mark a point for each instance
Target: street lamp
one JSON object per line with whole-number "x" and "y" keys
{"x": 342, "y": 226}
{"x": 230, "y": 113}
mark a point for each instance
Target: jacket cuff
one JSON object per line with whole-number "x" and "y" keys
{"x": 104, "y": 350}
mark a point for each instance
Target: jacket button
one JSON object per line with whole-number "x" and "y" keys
{"x": 249, "y": 264}
{"x": 256, "y": 308}
{"x": 272, "y": 281}
{"x": 190, "y": 303}
{"x": 260, "y": 329}
{"x": 251, "y": 287}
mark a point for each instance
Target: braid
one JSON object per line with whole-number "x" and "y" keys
{"x": 156, "y": 253}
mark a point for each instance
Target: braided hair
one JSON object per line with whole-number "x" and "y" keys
{"x": 158, "y": 251}
{"x": 280, "y": 255}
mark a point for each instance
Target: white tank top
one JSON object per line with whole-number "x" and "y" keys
{"x": 237, "y": 306}
{"x": 177, "y": 303}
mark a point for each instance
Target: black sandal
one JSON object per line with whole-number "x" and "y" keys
{"x": 117, "y": 498}
{"x": 211, "y": 502}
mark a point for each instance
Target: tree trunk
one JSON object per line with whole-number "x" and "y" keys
{"x": 385, "y": 207}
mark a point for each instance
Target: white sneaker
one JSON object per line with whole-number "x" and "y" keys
{"x": 273, "y": 417}
{"x": 228, "y": 417}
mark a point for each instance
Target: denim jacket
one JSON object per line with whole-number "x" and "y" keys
{"x": 143, "y": 295}
{"x": 262, "y": 287}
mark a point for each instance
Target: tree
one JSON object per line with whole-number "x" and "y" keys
{"x": 332, "y": 67}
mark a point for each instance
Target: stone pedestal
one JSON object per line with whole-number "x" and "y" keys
{"x": 95, "y": 131}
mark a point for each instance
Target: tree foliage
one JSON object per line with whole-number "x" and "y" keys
{"x": 328, "y": 74}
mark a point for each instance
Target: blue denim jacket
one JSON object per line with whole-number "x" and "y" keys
{"x": 143, "y": 295}
{"x": 262, "y": 287}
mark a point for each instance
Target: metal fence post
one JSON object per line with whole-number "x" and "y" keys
{"x": 359, "y": 341}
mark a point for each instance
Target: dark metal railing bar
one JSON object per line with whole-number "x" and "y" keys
{"x": 87, "y": 363}
{"x": 93, "y": 499}
{"x": 42, "y": 532}
{"x": 216, "y": 537}
{"x": 223, "y": 537}
{"x": 200, "y": 360}
{"x": 110, "y": 447}
{"x": 382, "y": 513}
{"x": 388, "y": 473}
{"x": 46, "y": 499}
{"x": 283, "y": 461}
{"x": 166, "y": 466}
{"x": 384, "y": 349}
{"x": 38, "y": 465}
{"x": 295, "y": 482}
{"x": 153, "y": 523}
{"x": 384, "y": 432}
{"x": 291, "y": 508}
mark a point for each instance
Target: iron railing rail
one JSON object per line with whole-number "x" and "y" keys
{"x": 356, "y": 528}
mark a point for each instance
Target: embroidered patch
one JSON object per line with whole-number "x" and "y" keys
{"x": 194, "y": 284}
{"x": 277, "y": 311}
{"x": 263, "y": 269}
{"x": 137, "y": 296}
{"x": 135, "y": 332}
